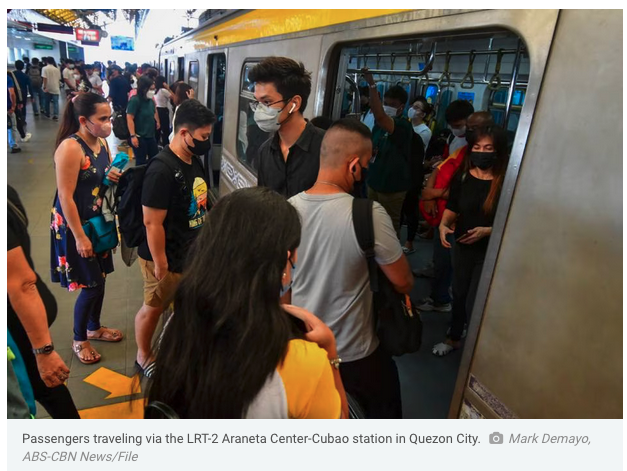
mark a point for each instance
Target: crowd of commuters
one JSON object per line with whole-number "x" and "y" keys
{"x": 280, "y": 325}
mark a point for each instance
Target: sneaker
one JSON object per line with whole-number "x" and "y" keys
{"x": 36, "y": 114}
{"x": 27, "y": 137}
{"x": 55, "y": 118}
{"x": 16, "y": 150}
{"x": 428, "y": 304}
{"x": 427, "y": 272}
{"x": 408, "y": 251}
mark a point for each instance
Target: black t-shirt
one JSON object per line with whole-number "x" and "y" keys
{"x": 17, "y": 236}
{"x": 299, "y": 172}
{"x": 466, "y": 198}
{"x": 180, "y": 188}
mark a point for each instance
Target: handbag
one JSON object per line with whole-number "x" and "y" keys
{"x": 397, "y": 321}
{"x": 103, "y": 234}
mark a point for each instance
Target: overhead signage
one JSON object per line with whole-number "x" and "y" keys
{"x": 48, "y": 47}
{"x": 50, "y": 28}
{"x": 90, "y": 43}
{"x": 72, "y": 49}
{"x": 92, "y": 35}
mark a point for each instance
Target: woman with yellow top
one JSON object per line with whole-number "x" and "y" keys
{"x": 231, "y": 350}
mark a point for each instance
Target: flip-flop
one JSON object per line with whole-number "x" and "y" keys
{"x": 77, "y": 349}
{"x": 107, "y": 335}
{"x": 148, "y": 371}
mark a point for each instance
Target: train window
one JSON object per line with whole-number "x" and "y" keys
{"x": 192, "y": 74}
{"x": 171, "y": 72}
{"x": 249, "y": 136}
{"x": 216, "y": 73}
{"x": 181, "y": 68}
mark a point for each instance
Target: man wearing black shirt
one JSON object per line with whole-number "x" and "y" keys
{"x": 174, "y": 202}
{"x": 118, "y": 89}
{"x": 290, "y": 159}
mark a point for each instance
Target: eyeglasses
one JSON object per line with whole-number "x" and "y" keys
{"x": 255, "y": 104}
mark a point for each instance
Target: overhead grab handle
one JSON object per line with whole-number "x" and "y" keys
{"x": 468, "y": 77}
{"x": 495, "y": 81}
{"x": 446, "y": 75}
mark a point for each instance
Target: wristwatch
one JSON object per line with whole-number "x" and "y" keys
{"x": 133, "y": 135}
{"x": 335, "y": 362}
{"x": 45, "y": 350}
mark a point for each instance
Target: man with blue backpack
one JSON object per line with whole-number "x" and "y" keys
{"x": 169, "y": 195}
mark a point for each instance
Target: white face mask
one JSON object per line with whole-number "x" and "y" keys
{"x": 267, "y": 118}
{"x": 390, "y": 111}
{"x": 458, "y": 132}
{"x": 150, "y": 94}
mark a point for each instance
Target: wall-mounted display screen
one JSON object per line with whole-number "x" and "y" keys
{"x": 122, "y": 43}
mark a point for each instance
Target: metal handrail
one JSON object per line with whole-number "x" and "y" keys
{"x": 495, "y": 81}
{"x": 438, "y": 54}
{"x": 471, "y": 60}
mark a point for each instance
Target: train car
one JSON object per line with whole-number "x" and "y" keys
{"x": 545, "y": 336}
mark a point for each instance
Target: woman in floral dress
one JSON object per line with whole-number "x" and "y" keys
{"x": 81, "y": 160}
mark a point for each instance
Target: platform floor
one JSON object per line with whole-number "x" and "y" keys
{"x": 103, "y": 390}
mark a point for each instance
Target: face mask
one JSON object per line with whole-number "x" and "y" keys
{"x": 267, "y": 118}
{"x": 150, "y": 94}
{"x": 483, "y": 160}
{"x": 413, "y": 113}
{"x": 99, "y": 130}
{"x": 71, "y": 66}
{"x": 390, "y": 111}
{"x": 458, "y": 132}
{"x": 286, "y": 288}
{"x": 199, "y": 147}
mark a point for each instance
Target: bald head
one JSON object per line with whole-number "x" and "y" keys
{"x": 480, "y": 119}
{"x": 344, "y": 140}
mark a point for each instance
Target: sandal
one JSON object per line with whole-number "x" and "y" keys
{"x": 444, "y": 348}
{"x": 148, "y": 371}
{"x": 78, "y": 347}
{"x": 106, "y": 335}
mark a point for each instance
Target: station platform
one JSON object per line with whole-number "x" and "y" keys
{"x": 110, "y": 389}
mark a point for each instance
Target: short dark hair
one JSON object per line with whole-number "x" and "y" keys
{"x": 88, "y": 66}
{"x": 19, "y": 65}
{"x": 458, "y": 110}
{"x": 193, "y": 114}
{"x": 352, "y": 125}
{"x": 34, "y": 61}
{"x": 397, "y": 93}
{"x": 288, "y": 76}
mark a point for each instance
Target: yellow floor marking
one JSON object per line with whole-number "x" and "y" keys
{"x": 123, "y": 410}
{"x": 117, "y": 384}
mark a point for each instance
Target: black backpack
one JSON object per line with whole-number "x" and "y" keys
{"x": 398, "y": 323}
{"x": 120, "y": 127}
{"x": 129, "y": 199}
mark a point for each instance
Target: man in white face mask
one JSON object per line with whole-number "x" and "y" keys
{"x": 389, "y": 173}
{"x": 290, "y": 159}
{"x": 68, "y": 77}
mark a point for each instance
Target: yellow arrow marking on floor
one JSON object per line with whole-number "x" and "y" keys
{"x": 117, "y": 384}
{"x": 122, "y": 410}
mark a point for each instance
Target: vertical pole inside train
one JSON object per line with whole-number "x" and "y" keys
{"x": 512, "y": 85}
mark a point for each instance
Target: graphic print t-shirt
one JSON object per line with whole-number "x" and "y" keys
{"x": 181, "y": 189}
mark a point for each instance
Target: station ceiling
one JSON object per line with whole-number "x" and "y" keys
{"x": 93, "y": 18}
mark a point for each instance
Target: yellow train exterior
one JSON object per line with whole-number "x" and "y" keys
{"x": 545, "y": 339}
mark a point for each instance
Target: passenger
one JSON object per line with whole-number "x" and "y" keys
{"x": 366, "y": 112}
{"x": 17, "y": 118}
{"x": 322, "y": 122}
{"x": 31, "y": 309}
{"x": 36, "y": 83}
{"x": 83, "y": 84}
{"x": 11, "y": 110}
{"x": 418, "y": 112}
{"x": 181, "y": 92}
{"x": 69, "y": 78}
{"x": 433, "y": 203}
{"x": 231, "y": 350}
{"x": 289, "y": 161}
{"x": 332, "y": 277}
{"x": 23, "y": 81}
{"x": 142, "y": 120}
{"x": 469, "y": 214}
{"x": 174, "y": 200}
{"x": 389, "y": 172}
{"x": 26, "y": 61}
{"x": 162, "y": 98}
{"x": 81, "y": 159}
{"x": 118, "y": 89}
{"x": 94, "y": 78}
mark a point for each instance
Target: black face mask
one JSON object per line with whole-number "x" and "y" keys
{"x": 483, "y": 160}
{"x": 199, "y": 147}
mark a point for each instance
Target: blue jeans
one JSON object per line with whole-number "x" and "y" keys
{"x": 443, "y": 269}
{"x": 87, "y": 311}
{"x": 12, "y": 131}
{"x": 38, "y": 99}
{"x": 50, "y": 97}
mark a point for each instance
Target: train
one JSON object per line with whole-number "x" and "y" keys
{"x": 545, "y": 336}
